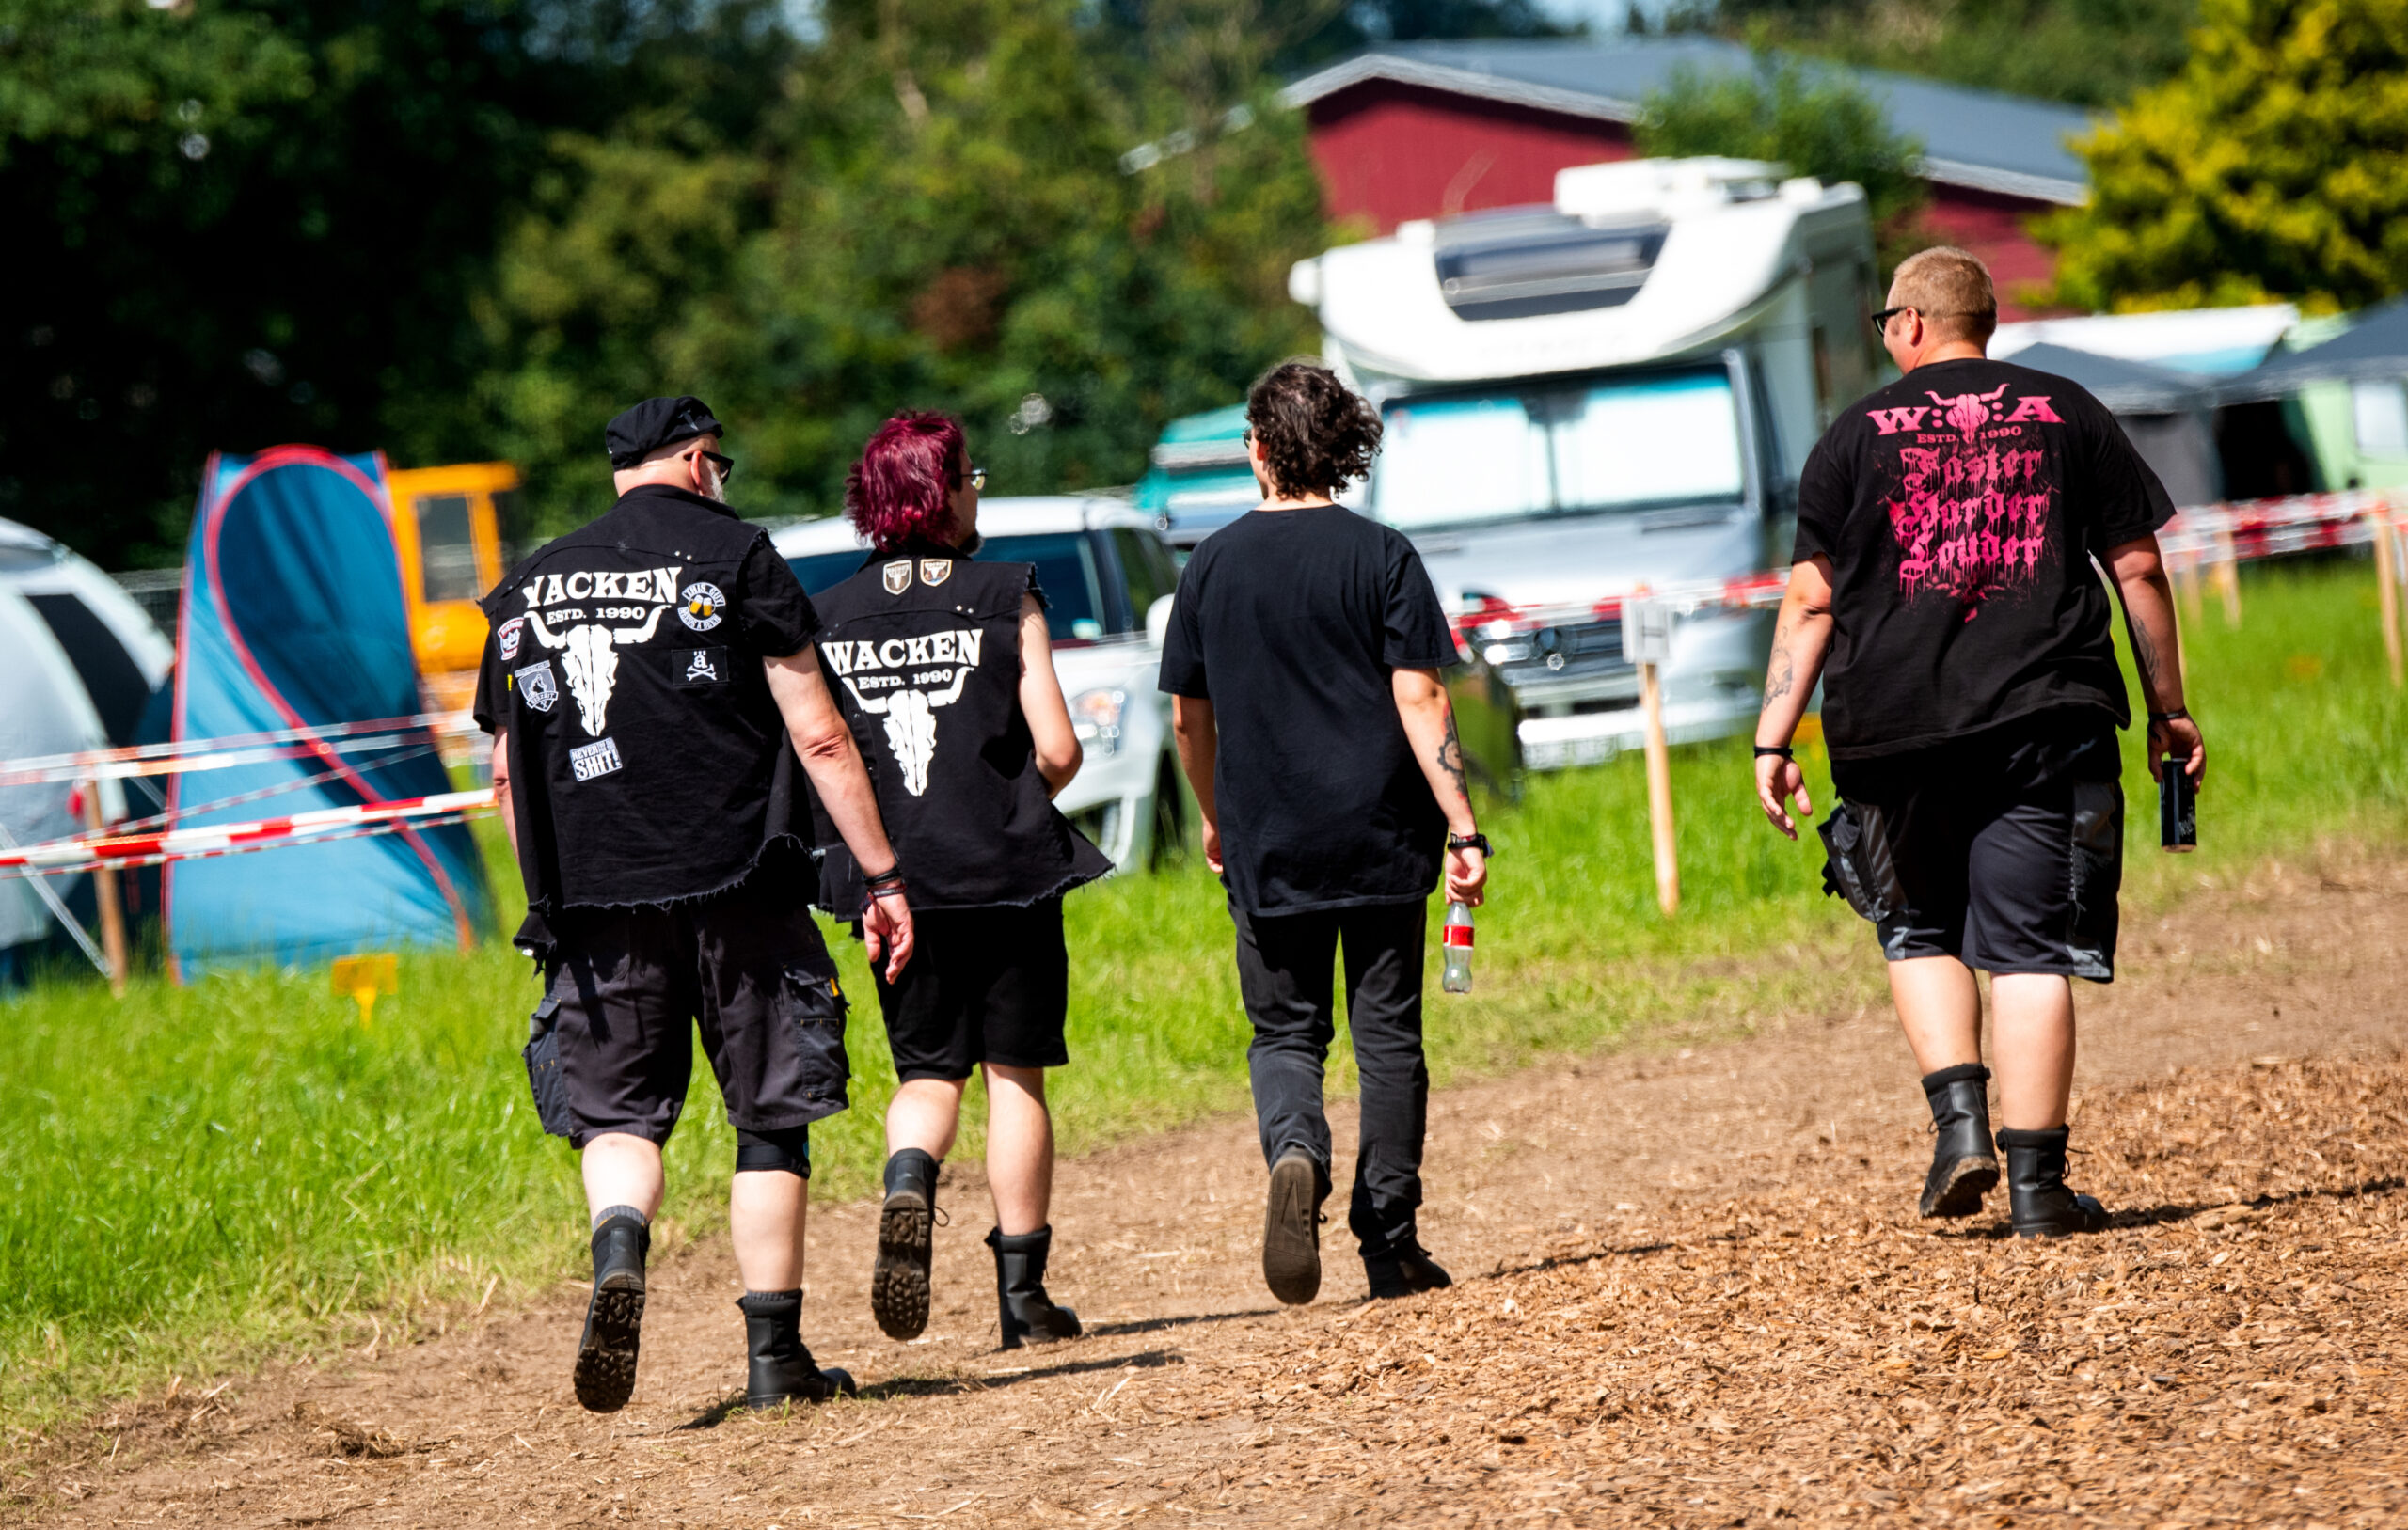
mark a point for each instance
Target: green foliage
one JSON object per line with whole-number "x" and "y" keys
{"x": 201, "y": 1176}
{"x": 2275, "y": 166}
{"x": 472, "y": 228}
{"x": 1814, "y": 123}
{"x": 2092, "y": 53}
{"x": 937, "y": 218}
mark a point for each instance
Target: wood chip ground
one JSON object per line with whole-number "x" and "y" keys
{"x": 1692, "y": 1293}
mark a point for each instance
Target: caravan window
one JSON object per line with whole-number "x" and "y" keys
{"x": 1670, "y": 438}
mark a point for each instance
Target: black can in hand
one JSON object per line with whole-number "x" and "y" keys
{"x": 2177, "y": 807}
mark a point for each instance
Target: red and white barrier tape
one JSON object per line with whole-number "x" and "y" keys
{"x": 190, "y": 754}
{"x": 86, "y": 852}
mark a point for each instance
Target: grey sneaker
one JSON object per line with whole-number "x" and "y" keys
{"x": 1291, "y": 1230}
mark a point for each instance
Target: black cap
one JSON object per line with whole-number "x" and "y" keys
{"x": 640, "y": 431}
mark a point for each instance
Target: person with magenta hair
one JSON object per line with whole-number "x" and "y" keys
{"x": 945, "y": 669}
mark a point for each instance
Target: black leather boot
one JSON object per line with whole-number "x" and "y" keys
{"x": 781, "y": 1369}
{"x": 2037, "y": 1198}
{"x": 1025, "y": 1311}
{"x": 1963, "y": 1170}
{"x": 898, "y": 1286}
{"x": 1402, "y": 1270}
{"x": 606, "y": 1355}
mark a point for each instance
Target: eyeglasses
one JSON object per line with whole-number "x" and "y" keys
{"x": 1881, "y": 320}
{"x": 726, "y": 466}
{"x": 977, "y": 477}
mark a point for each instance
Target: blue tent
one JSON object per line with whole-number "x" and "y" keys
{"x": 294, "y": 617}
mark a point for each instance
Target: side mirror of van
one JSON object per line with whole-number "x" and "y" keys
{"x": 1158, "y": 620}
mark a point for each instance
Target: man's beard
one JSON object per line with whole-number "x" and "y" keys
{"x": 714, "y": 488}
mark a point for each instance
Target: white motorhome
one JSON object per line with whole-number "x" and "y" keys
{"x": 1615, "y": 390}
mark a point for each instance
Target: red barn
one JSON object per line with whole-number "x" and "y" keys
{"x": 1426, "y": 130}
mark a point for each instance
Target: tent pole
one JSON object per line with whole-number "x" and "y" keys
{"x": 105, "y": 891}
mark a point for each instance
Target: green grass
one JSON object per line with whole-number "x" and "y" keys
{"x": 199, "y": 1177}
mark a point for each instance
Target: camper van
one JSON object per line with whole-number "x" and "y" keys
{"x": 1612, "y": 392}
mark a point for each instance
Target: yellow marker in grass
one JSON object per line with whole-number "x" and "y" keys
{"x": 365, "y": 977}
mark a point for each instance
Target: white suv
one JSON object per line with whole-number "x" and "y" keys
{"x": 1107, "y": 576}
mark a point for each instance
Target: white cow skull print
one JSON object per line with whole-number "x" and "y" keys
{"x": 590, "y": 659}
{"x": 912, "y": 725}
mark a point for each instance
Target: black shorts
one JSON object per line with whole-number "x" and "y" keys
{"x": 612, "y": 1047}
{"x": 984, "y": 985}
{"x": 2004, "y": 852}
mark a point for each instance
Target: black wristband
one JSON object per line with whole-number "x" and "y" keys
{"x": 1781, "y": 749}
{"x": 1469, "y": 842}
{"x": 2181, "y": 714}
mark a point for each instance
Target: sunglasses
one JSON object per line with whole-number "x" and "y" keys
{"x": 726, "y": 466}
{"x": 1881, "y": 320}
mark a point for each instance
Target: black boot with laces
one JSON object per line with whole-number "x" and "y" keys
{"x": 1963, "y": 1169}
{"x": 2038, "y": 1197}
{"x": 606, "y": 1353}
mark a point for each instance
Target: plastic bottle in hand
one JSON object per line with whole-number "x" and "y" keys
{"x": 1457, "y": 939}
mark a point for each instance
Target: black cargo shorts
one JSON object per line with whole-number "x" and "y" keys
{"x": 2005, "y": 851}
{"x": 611, "y": 1043}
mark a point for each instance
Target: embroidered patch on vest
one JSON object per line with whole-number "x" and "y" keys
{"x": 935, "y": 571}
{"x": 897, "y": 576}
{"x": 512, "y": 633}
{"x": 699, "y": 606}
{"x": 598, "y": 758}
{"x": 695, "y": 668}
{"x": 538, "y": 687}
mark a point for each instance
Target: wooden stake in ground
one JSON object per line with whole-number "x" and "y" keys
{"x": 2228, "y": 577}
{"x": 1647, "y": 640}
{"x": 105, "y": 891}
{"x": 2387, "y": 585}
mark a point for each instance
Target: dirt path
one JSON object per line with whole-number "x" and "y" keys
{"x": 1691, "y": 1291}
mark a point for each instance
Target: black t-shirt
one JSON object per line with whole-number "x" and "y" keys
{"x": 1291, "y": 622}
{"x": 1960, "y": 507}
{"x": 922, "y": 652}
{"x": 648, "y": 762}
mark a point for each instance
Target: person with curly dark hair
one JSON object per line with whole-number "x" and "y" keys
{"x": 1303, "y": 661}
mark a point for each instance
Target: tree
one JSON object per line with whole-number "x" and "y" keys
{"x": 938, "y": 216}
{"x": 1815, "y": 123}
{"x": 2275, "y": 166}
{"x": 244, "y": 222}
{"x": 2092, "y": 53}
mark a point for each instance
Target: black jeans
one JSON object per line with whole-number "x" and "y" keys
{"x": 1284, "y": 976}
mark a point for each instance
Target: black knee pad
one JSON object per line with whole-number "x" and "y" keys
{"x": 759, "y": 1152}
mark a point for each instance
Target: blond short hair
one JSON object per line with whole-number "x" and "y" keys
{"x": 1951, "y": 289}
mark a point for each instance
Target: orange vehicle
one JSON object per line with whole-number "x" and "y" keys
{"x": 447, "y": 527}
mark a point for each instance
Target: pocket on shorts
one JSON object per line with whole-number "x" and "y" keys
{"x": 2098, "y": 855}
{"x": 1857, "y": 865}
{"x": 813, "y": 1008}
{"x": 544, "y": 1079}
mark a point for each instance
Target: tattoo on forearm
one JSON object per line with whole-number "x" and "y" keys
{"x": 1783, "y": 678}
{"x": 1450, "y": 758}
{"x": 2145, "y": 659}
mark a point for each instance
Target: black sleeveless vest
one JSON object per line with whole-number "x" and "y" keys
{"x": 648, "y": 762}
{"x": 922, "y": 650}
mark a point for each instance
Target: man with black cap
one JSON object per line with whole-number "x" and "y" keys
{"x": 642, "y": 682}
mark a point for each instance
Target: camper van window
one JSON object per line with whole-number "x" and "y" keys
{"x": 1670, "y": 438}
{"x": 446, "y": 557}
{"x": 2380, "y": 411}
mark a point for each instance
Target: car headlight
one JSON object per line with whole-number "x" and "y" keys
{"x": 1096, "y": 717}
